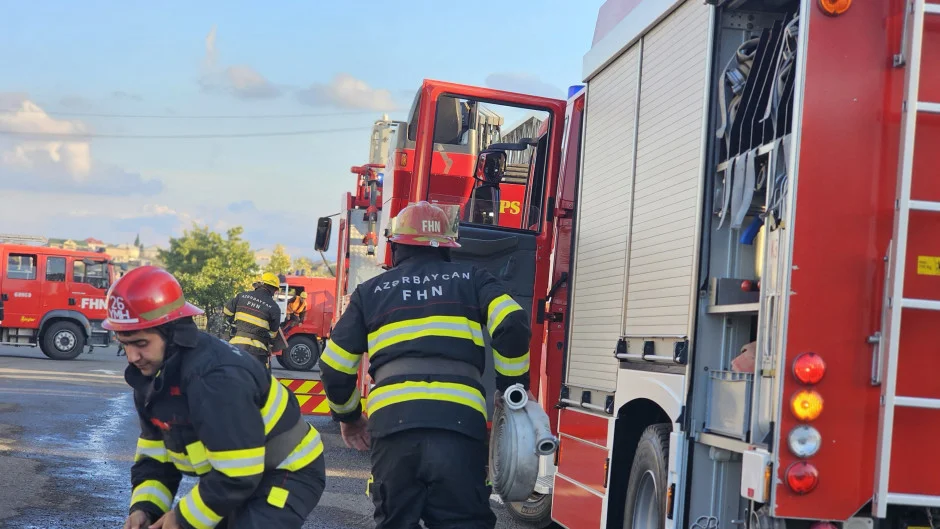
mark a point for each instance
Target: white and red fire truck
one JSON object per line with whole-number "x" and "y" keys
{"x": 755, "y": 264}
{"x": 54, "y": 299}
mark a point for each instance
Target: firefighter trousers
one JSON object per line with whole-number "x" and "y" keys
{"x": 283, "y": 500}
{"x": 261, "y": 355}
{"x": 436, "y": 475}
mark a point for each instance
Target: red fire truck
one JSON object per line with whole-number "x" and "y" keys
{"x": 54, "y": 299}
{"x": 755, "y": 268}
{"x": 306, "y": 339}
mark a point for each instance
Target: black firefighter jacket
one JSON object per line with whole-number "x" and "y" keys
{"x": 425, "y": 307}
{"x": 209, "y": 412}
{"x": 257, "y": 317}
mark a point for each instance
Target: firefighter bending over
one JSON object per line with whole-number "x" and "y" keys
{"x": 296, "y": 311}
{"x": 208, "y": 409}
{"x": 421, "y": 323}
{"x": 256, "y": 317}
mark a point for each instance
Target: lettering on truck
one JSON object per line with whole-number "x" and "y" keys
{"x": 514, "y": 206}
{"x": 93, "y": 303}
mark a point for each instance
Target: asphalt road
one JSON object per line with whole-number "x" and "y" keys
{"x": 67, "y": 439}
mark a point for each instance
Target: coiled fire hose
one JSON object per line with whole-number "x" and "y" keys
{"x": 521, "y": 434}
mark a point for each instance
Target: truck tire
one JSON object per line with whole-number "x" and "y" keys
{"x": 536, "y": 511}
{"x": 62, "y": 340}
{"x": 646, "y": 492}
{"x": 301, "y": 354}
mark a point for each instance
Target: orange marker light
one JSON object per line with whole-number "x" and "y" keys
{"x": 802, "y": 477}
{"x": 809, "y": 368}
{"x": 834, "y": 7}
{"x": 806, "y": 405}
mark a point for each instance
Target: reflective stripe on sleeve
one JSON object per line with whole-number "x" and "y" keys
{"x": 307, "y": 450}
{"x": 154, "y": 492}
{"x": 499, "y": 308}
{"x": 196, "y": 512}
{"x": 348, "y": 406}
{"x": 154, "y": 449}
{"x": 510, "y": 367}
{"x": 340, "y": 359}
{"x": 274, "y": 405}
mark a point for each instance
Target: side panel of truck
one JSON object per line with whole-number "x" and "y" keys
{"x": 603, "y": 225}
{"x": 668, "y": 175}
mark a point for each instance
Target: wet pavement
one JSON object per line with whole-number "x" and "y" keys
{"x": 67, "y": 438}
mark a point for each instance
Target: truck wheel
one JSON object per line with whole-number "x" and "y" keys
{"x": 646, "y": 493}
{"x": 281, "y": 362}
{"x": 62, "y": 340}
{"x": 535, "y": 511}
{"x": 301, "y": 354}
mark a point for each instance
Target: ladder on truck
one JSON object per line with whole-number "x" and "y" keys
{"x": 914, "y": 20}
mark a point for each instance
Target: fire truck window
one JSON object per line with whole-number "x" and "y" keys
{"x": 95, "y": 274}
{"x": 55, "y": 269}
{"x": 21, "y": 266}
{"x": 502, "y": 194}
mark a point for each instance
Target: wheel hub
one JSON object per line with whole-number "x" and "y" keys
{"x": 64, "y": 341}
{"x": 300, "y": 354}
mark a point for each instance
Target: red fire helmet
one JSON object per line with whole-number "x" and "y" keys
{"x": 144, "y": 298}
{"x": 425, "y": 224}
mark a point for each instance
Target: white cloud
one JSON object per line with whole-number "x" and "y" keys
{"x": 30, "y": 161}
{"x": 346, "y": 91}
{"x": 241, "y": 81}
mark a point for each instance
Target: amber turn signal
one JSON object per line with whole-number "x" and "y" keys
{"x": 806, "y": 405}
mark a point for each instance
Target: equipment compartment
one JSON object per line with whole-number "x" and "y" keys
{"x": 729, "y": 403}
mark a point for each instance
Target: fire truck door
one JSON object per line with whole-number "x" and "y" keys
{"x": 54, "y": 288}
{"x": 510, "y": 256}
{"x": 21, "y": 290}
{"x": 89, "y": 286}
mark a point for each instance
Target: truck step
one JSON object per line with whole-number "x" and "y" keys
{"x": 917, "y": 402}
{"x": 924, "y": 304}
{"x": 918, "y": 500}
{"x": 932, "y": 9}
{"x": 930, "y": 108}
{"x": 925, "y": 205}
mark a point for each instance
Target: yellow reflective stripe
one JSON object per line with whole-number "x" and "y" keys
{"x": 273, "y": 334}
{"x": 274, "y": 405}
{"x": 444, "y": 326}
{"x": 154, "y": 492}
{"x": 252, "y": 319}
{"x": 227, "y": 312}
{"x": 383, "y": 396}
{"x": 196, "y": 512}
{"x": 499, "y": 308}
{"x": 510, "y": 367}
{"x": 238, "y": 463}
{"x": 348, "y": 406}
{"x": 340, "y": 359}
{"x": 180, "y": 461}
{"x": 308, "y": 449}
{"x": 244, "y": 340}
{"x": 152, "y": 449}
{"x": 196, "y": 452}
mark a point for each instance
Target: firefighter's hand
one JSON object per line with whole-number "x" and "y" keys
{"x": 137, "y": 520}
{"x": 167, "y": 521}
{"x": 356, "y": 434}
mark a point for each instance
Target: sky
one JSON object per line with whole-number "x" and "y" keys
{"x": 124, "y": 76}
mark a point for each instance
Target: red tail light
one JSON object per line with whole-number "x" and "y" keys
{"x": 809, "y": 368}
{"x": 802, "y": 477}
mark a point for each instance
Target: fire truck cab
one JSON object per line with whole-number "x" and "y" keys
{"x": 54, "y": 299}
{"x": 306, "y": 339}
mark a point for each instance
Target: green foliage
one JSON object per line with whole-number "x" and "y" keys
{"x": 210, "y": 269}
{"x": 280, "y": 261}
{"x": 303, "y": 264}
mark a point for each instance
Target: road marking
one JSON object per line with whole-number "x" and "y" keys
{"x": 52, "y": 392}
{"x": 105, "y": 371}
{"x": 57, "y": 373}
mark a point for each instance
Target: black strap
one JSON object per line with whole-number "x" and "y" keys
{"x": 410, "y": 365}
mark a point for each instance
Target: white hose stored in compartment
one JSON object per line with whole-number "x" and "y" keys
{"x": 521, "y": 435}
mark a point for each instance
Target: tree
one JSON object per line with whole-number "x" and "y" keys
{"x": 280, "y": 261}
{"x": 210, "y": 269}
{"x": 303, "y": 265}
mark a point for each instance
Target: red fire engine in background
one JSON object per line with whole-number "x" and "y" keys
{"x": 54, "y": 299}
{"x": 305, "y": 340}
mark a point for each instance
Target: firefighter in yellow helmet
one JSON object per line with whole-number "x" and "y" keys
{"x": 421, "y": 323}
{"x": 256, "y": 317}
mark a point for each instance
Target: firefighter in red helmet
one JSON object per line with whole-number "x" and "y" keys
{"x": 422, "y": 323}
{"x": 210, "y": 410}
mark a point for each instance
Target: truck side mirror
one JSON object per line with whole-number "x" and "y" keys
{"x": 491, "y": 165}
{"x": 324, "y": 228}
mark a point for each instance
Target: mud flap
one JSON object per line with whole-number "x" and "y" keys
{"x": 675, "y": 486}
